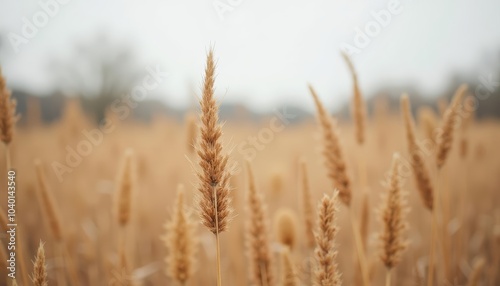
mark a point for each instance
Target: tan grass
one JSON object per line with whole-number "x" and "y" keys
{"x": 326, "y": 269}
{"x": 181, "y": 242}
{"x": 258, "y": 244}
{"x": 285, "y": 225}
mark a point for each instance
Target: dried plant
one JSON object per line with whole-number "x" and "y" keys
{"x": 445, "y": 137}
{"x": 393, "y": 212}
{"x": 420, "y": 172}
{"x": 428, "y": 122}
{"x": 326, "y": 270}
{"x": 285, "y": 224}
{"x": 8, "y": 116}
{"x": 259, "y": 249}
{"x": 40, "y": 268}
{"x": 214, "y": 202}
{"x": 125, "y": 185}
{"x": 332, "y": 152}
{"x": 358, "y": 104}
{"x": 180, "y": 240}
{"x": 307, "y": 206}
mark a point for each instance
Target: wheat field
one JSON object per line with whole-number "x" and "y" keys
{"x": 318, "y": 202}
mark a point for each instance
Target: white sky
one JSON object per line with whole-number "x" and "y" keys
{"x": 267, "y": 50}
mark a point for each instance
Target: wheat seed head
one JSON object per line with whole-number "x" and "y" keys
{"x": 259, "y": 249}
{"x": 214, "y": 174}
{"x": 358, "y": 104}
{"x": 39, "y": 277}
{"x": 307, "y": 206}
{"x": 180, "y": 240}
{"x": 420, "y": 172}
{"x": 445, "y": 137}
{"x": 332, "y": 152}
{"x": 285, "y": 224}
{"x": 326, "y": 270}
{"x": 125, "y": 189}
{"x": 392, "y": 216}
{"x": 8, "y": 115}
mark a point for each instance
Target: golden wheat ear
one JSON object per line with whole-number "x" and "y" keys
{"x": 258, "y": 245}
{"x": 39, "y": 277}
{"x": 214, "y": 202}
{"x": 421, "y": 174}
{"x": 125, "y": 185}
{"x": 393, "y": 211}
{"x": 285, "y": 223}
{"x": 358, "y": 104}
{"x": 214, "y": 175}
{"x": 332, "y": 152}
{"x": 326, "y": 269}
{"x": 445, "y": 138}
{"x": 307, "y": 206}
{"x": 8, "y": 115}
{"x": 181, "y": 242}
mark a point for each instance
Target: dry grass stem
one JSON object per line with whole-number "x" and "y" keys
{"x": 332, "y": 152}
{"x": 326, "y": 269}
{"x": 445, "y": 137}
{"x": 180, "y": 240}
{"x": 259, "y": 248}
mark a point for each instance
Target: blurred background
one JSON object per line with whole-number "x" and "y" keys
{"x": 267, "y": 52}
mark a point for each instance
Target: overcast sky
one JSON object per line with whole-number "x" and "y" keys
{"x": 267, "y": 50}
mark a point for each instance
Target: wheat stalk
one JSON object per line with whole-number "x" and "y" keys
{"x": 326, "y": 270}
{"x": 420, "y": 172}
{"x": 214, "y": 202}
{"x": 393, "y": 213}
{"x": 332, "y": 152}
{"x": 285, "y": 224}
{"x": 445, "y": 138}
{"x": 336, "y": 169}
{"x": 358, "y": 105}
{"x": 180, "y": 240}
{"x": 8, "y": 116}
{"x": 40, "y": 268}
{"x": 259, "y": 249}
{"x": 125, "y": 184}
{"x": 307, "y": 207}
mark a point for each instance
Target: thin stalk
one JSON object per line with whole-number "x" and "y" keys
{"x": 7, "y": 158}
{"x": 461, "y": 213}
{"x": 388, "y": 277}
{"x": 441, "y": 222}
{"x": 219, "y": 279}
{"x": 360, "y": 250}
{"x": 430, "y": 275}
